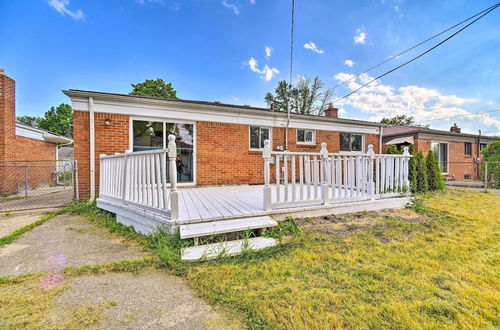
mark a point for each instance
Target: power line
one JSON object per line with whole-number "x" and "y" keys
{"x": 418, "y": 56}
{"x": 412, "y": 47}
{"x": 469, "y": 114}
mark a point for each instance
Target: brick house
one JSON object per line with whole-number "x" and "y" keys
{"x": 218, "y": 144}
{"x": 20, "y": 143}
{"x": 458, "y": 153}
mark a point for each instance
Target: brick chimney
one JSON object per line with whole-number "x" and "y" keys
{"x": 7, "y": 115}
{"x": 455, "y": 129}
{"x": 331, "y": 112}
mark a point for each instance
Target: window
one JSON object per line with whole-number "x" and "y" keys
{"x": 258, "y": 135}
{"x": 482, "y": 146}
{"x": 306, "y": 136}
{"x": 351, "y": 142}
{"x": 440, "y": 150}
{"x": 150, "y": 135}
{"x": 468, "y": 149}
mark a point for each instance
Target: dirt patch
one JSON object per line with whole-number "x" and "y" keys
{"x": 345, "y": 225}
{"x": 148, "y": 300}
{"x": 68, "y": 240}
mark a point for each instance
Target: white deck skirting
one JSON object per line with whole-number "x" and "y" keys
{"x": 201, "y": 204}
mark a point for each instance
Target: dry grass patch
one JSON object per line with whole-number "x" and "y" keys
{"x": 393, "y": 269}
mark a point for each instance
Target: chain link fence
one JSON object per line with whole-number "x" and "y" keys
{"x": 472, "y": 174}
{"x": 26, "y": 185}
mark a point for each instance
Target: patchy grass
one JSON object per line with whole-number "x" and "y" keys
{"x": 436, "y": 266}
{"x": 13, "y": 236}
{"x": 9, "y": 199}
{"x": 27, "y": 305}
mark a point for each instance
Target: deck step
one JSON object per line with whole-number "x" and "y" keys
{"x": 214, "y": 250}
{"x": 225, "y": 226}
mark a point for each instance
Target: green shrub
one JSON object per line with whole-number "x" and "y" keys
{"x": 393, "y": 150}
{"x": 412, "y": 174}
{"x": 492, "y": 154}
{"x": 434, "y": 178}
{"x": 421, "y": 174}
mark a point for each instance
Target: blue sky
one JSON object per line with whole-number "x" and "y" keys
{"x": 215, "y": 50}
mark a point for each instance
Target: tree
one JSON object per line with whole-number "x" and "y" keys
{"x": 434, "y": 177}
{"x": 421, "y": 171}
{"x": 412, "y": 173}
{"x": 154, "y": 88}
{"x": 492, "y": 156}
{"x": 58, "y": 120}
{"x": 308, "y": 97}
{"x": 401, "y": 120}
{"x": 29, "y": 120}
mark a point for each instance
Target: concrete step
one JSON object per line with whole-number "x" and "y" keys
{"x": 225, "y": 226}
{"x": 214, "y": 250}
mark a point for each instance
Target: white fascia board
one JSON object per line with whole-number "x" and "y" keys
{"x": 29, "y": 133}
{"x": 209, "y": 113}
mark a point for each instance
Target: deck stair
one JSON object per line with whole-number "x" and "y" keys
{"x": 213, "y": 228}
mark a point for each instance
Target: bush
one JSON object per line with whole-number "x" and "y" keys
{"x": 412, "y": 174}
{"x": 492, "y": 154}
{"x": 434, "y": 178}
{"x": 421, "y": 174}
{"x": 393, "y": 150}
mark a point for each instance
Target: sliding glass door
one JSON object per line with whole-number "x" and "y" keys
{"x": 440, "y": 150}
{"x": 150, "y": 135}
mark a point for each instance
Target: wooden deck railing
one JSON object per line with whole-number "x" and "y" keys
{"x": 313, "y": 178}
{"x": 142, "y": 178}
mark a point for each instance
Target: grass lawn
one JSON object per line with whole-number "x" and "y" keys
{"x": 438, "y": 268}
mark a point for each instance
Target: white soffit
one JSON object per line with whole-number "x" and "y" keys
{"x": 220, "y": 115}
{"x": 400, "y": 140}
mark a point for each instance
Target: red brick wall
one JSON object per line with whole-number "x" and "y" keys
{"x": 459, "y": 164}
{"x": 19, "y": 148}
{"x": 109, "y": 139}
{"x": 223, "y": 155}
{"x": 222, "y": 150}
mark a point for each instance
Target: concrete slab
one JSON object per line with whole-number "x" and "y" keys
{"x": 9, "y": 223}
{"x": 66, "y": 240}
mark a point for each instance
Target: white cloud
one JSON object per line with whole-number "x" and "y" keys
{"x": 61, "y": 7}
{"x": 349, "y": 63}
{"x": 312, "y": 46}
{"x": 142, "y": 2}
{"x": 231, "y": 6}
{"x": 423, "y": 103}
{"x": 269, "y": 50}
{"x": 360, "y": 36}
{"x": 252, "y": 2}
{"x": 266, "y": 73}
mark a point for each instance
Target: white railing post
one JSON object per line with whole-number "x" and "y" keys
{"x": 124, "y": 180}
{"x": 371, "y": 184}
{"x": 266, "y": 154}
{"x": 174, "y": 198}
{"x": 406, "y": 182}
{"x": 324, "y": 181}
{"x": 102, "y": 175}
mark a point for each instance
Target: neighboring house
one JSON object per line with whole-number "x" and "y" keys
{"x": 457, "y": 153}
{"x": 65, "y": 155}
{"x": 218, "y": 144}
{"x": 22, "y": 143}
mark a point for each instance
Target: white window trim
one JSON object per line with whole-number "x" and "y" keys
{"x": 165, "y": 140}
{"x": 353, "y": 152}
{"x": 471, "y": 152}
{"x": 305, "y": 130}
{"x": 447, "y": 155}
{"x": 270, "y": 137}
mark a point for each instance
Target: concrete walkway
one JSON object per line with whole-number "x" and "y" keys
{"x": 148, "y": 300}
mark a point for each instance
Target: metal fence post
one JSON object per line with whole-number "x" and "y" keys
{"x": 485, "y": 176}
{"x": 75, "y": 181}
{"x": 26, "y": 182}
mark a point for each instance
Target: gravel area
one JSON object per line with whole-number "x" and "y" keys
{"x": 148, "y": 300}
{"x": 66, "y": 240}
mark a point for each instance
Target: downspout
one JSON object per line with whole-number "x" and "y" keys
{"x": 92, "y": 148}
{"x": 381, "y": 130}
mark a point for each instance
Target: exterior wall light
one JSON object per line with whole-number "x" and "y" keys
{"x": 107, "y": 121}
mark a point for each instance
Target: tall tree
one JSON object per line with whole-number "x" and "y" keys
{"x": 308, "y": 97}
{"x": 402, "y": 120}
{"x": 29, "y": 120}
{"x": 58, "y": 120}
{"x": 421, "y": 170}
{"x": 154, "y": 88}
